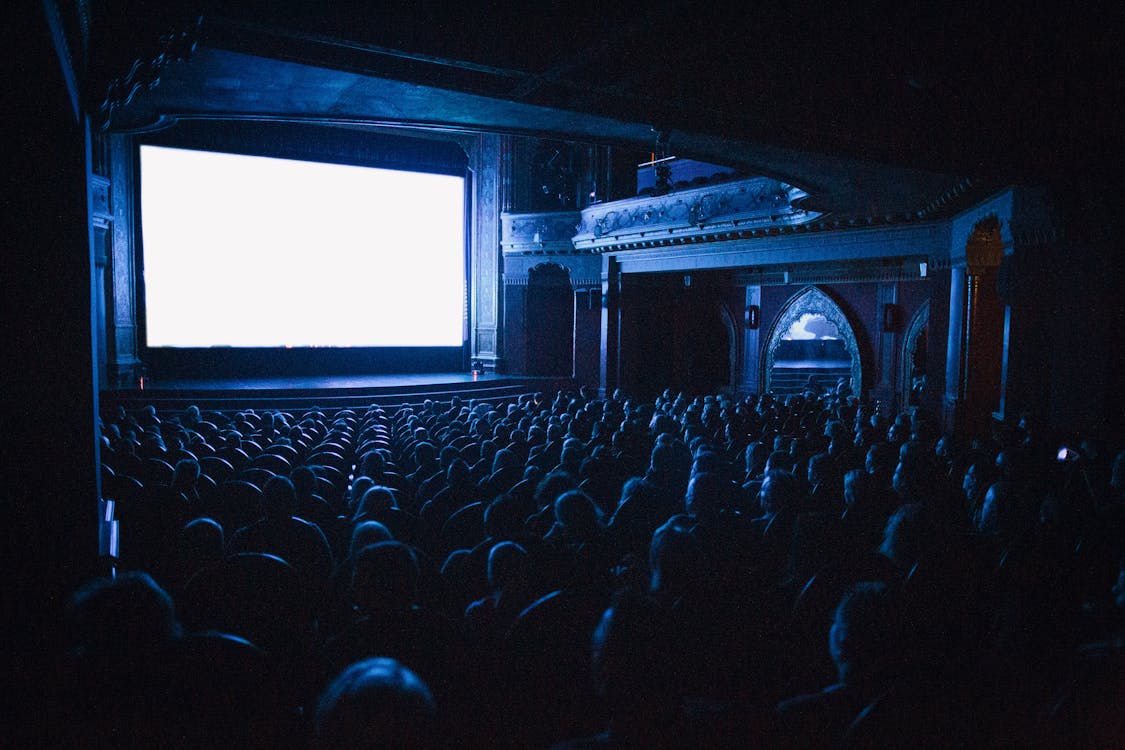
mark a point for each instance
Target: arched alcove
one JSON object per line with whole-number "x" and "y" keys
{"x": 702, "y": 347}
{"x": 914, "y": 354}
{"x": 550, "y": 321}
{"x": 831, "y": 351}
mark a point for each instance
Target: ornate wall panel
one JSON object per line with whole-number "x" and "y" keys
{"x": 486, "y": 259}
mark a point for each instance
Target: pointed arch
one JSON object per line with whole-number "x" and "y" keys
{"x": 914, "y": 331}
{"x": 735, "y": 356}
{"x": 813, "y": 300}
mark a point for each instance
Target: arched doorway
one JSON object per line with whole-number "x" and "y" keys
{"x": 550, "y": 321}
{"x": 915, "y": 350}
{"x": 811, "y": 344}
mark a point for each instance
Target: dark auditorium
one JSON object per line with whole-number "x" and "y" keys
{"x": 551, "y": 376}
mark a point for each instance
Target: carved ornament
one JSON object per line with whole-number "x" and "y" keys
{"x": 812, "y": 300}
{"x": 545, "y": 233}
{"x": 758, "y": 202}
{"x": 145, "y": 71}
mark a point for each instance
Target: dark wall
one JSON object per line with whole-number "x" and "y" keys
{"x": 587, "y": 336}
{"x": 50, "y": 450}
{"x": 515, "y": 319}
{"x": 675, "y": 334}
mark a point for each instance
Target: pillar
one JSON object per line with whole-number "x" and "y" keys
{"x": 610, "y": 366}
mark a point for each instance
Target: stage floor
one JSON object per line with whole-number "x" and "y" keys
{"x": 327, "y": 391}
{"x": 332, "y": 382}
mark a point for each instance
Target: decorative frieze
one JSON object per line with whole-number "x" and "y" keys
{"x": 738, "y": 206}
{"x": 145, "y": 71}
{"x": 548, "y": 233}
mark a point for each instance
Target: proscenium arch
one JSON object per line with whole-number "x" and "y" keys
{"x": 812, "y": 300}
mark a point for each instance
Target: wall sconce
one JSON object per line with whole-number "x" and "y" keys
{"x": 687, "y": 280}
{"x": 923, "y": 268}
{"x": 751, "y": 316}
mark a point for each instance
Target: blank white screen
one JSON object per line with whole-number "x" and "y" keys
{"x": 250, "y": 251}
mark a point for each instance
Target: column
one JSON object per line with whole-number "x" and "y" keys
{"x": 611, "y": 326}
{"x": 954, "y": 364}
{"x": 886, "y": 345}
{"x": 486, "y": 255}
{"x": 751, "y": 354}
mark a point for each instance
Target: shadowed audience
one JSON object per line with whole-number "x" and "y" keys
{"x": 577, "y": 571}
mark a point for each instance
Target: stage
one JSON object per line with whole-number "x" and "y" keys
{"x": 326, "y": 392}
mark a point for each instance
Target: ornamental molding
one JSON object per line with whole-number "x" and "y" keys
{"x": 145, "y": 71}
{"x": 812, "y": 300}
{"x": 905, "y": 271}
{"x": 546, "y": 233}
{"x": 578, "y": 284}
{"x": 739, "y": 206}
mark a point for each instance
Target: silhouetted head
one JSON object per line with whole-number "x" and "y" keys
{"x": 129, "y": 613}
{"x": 551, "y": 486}
{"x": 881, "y": 460}
{"x": 907, "y": 536}
{"x": 631, "y": 657}
{"x": 863, "y": 631}
{"x": 304, "y": 481}
{"x": 508, "y": 564}
{"x": 385, "y": 577}
{"x": 818, "y": 468}
{"x": 578, "y": 514}
{"x": 859, "y": 490}
{"x": 376, "y": 703}
{"x": 279, "y": 499}
{"x": 367, "y": 533}
{"x": 779, "y": 493}
{"x": 457, "y": 473}
{"x": 357, "y": 490}
{"x": 707, "y": 494}
{"x": 756, "y": 456}
{"x": 504, "y": 517}
{"x": 375, "y": 501}
{"x": 979, "y": 476}
{"x": 676, "y": 559}
{"x": 1009, "y": 510}
{"x": 186, "y": 473}
{"x": 780, "y": 460}
{"x": 201, "y": 542}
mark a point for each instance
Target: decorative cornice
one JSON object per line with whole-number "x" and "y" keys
{"x": 145, "y": 71}
{"x": 706, "y": 214}
{"x": 577, "y": 284}
{"x": 859, "y": 272}
{"x": 947, "y": 200}
{"x": 547, "y": 233}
